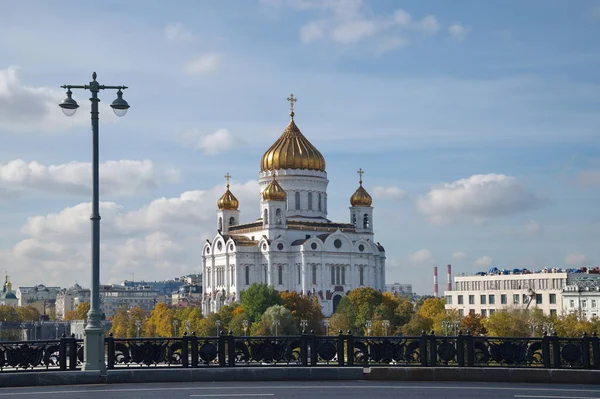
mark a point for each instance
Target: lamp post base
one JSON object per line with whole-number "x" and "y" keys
{"x": 93, "y": 349}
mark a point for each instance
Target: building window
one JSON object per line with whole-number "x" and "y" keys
{"x": 310, "y": 201}
{"x": 354, "y": 219}
{"x": 538, "y": 299}
{"x": 314, "y": 274}
{"x": 332, "y": 275}
{"x": 492, "y": 311}
{"x": 584, "y": 303}
{"x": 492, "y": 299}
{"x": 460, "y": 299}
{"x": 343, "y": 275}
{"x": 299, "y": 276}
{"x": 265, "y": 217}
{"x": 482, "y": 299}
{"x": 461, "y": 312}
{"x": 471, "y": 299}
{"x": 337, "y": 274}
{"x": 593, "y": 303}
{"x": 552, "y": 312}
{"x": 471, "y": 311}
{"x": 232, "y": 221}
{"x": 362, "y": 276}
{"x": 280, "y": 274}
{"x": 247, "y": 276}
{"x": 503, "y": 299}
{"x": 448, "y": 299}
{"x": 319, "y": 203}
{"x": 571, "y": 303}
{"x": 483, "y": 312}
{"x": 297, "y": 200}
{"x": 366, "y": 221}
{"x": 553, "y": 299}
{"x": 278, "y": 216}
{"x": 220, "y": 223}
{"x": 515, "y": 299}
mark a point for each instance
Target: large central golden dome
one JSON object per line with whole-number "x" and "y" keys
{"x": 292, "y": 151}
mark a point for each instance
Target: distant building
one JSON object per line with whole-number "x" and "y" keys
{"x": 165, "y": 287}
{"x": 115, "y": 296}
{"x": 70, "y": 298}
{"x": 41, "y": 297}
{"x": 582, "y": 294}
{"x": 187, "y": 295}
{"x": 7, "y": 296}
{"x": 399, "y": 289}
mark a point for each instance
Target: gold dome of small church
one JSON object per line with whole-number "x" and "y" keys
{"x": 274, "y": 192}
{"x": 292, "y": 150}
{"x": 228, "y": 200}
{"x": 361, "y": 197}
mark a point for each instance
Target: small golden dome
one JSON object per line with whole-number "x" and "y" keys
{"x": 292, "y": 150}
{"x": 361, "y": 197}
{"x": 274, "y": 192}
{"x": 228, "y": 200}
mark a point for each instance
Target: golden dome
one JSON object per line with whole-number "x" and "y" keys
{"x": 361, "y": 197}
{"x": 274, "y": 192}
{"x": 292, "y": 150}
{"x": 228, "y": 200}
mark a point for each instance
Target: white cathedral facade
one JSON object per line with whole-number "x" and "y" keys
{"x": 292, "y": 246}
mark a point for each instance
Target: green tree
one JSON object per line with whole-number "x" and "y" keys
{"x": 276, "y": 319}
{"x": 135, "y": 316}
{"x": 474, "y": 324}
{"x": 303, "y": 307}
{"x": 258, "y": 298}
{"x": 404, "y": 311}
{"x": 28, "y": 313}
{"x": 160, "y": 322}
{"x": 507, "y": 323}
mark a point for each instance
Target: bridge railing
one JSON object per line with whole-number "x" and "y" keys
{"x": 227, "y": 350}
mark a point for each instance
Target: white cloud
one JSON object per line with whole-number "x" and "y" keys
{"x": 458, "y": 256}
{"x": 589, "y": 178}
{"x": 35, "y": 109}
{"x": 484, "y": 261}
{"x": 428, "y": 25}
{"x": 117, "y": 178}
{"x": 217, "y": 142}
{"x": 422, "y": 256}
{"x": 159, "y": 239}
{"x": 389, "y": 192}
{"x": 312, "y": 31}
{"x": 476, "y": 199}
{"x": 203, "y": 64}
{"x": 390, "y": 43}
{"x": 533, "y": 227}
{"x": 575, "y": 259}
{"x": 458, "y": 31}
{"x": 177, "y": 32}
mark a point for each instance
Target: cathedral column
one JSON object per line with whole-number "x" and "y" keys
{"x": 303, "y": 272}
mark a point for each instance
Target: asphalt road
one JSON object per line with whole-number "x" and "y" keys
{"x": 304, "y": 390}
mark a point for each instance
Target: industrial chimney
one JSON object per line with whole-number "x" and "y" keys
{"x": 449, "y": 278}
{"x": 435, "y": 282}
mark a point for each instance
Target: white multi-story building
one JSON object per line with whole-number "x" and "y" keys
{"x": 582, "y": 294}
{"x": 115, "y": 296}
{"x": 70, "y": 298}
{"x": 292, "y": 246}
{"x": 484, "y": 294}
{"x": 39, "y": 296}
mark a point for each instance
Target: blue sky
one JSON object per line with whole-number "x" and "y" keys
{"x": 477, "y": 124}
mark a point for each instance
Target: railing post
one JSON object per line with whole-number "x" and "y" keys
{"x": 556, "y": 351}
{"x": 73, "y": 353}
{"x": 185, "y": 351}
{"x": 460, "y": 349}
{"x": 350, "y": 348}
{"x": 585, "y": 350}
{"x": 423, "y": 349}
{"x": 313, "y": 349}
{"x": 231, "y": 349}
{"x": 546, "y": 358}
{"x": 340, "y": 349}
{"x": 595, "y": 351}
{"x": 470, "y": 350}
{"x": 432, "y": 350}
{"x": 110, "y": 358}
{"x": 62, "y": 352}
{"x": 194, "y": 343}
{"x": 304, "y": 350}
{"x": 221, "y": 350}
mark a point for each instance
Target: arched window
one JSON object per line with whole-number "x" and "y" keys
{"x": 354, "y": 219}
{"x": 297, "y": 200}
{"x": 232, "y": 221}
{"x": 280, "y": 275}
{"x": 247, "y": 275}
{"x": 310, "y": 201}
{"x": 362, "y": 276}
{"x": 278, "y": 216}
{"x": 338, "y": 274}
{"x": 314, "y": 274}
{"x": 332, "y": 275}
{"x": 319, "y": 207}
{"x": 220, "y": 223}
{"x": 343, "y": 275}
{"x": 265, "y": 217}
{"x": 366, "y": 221}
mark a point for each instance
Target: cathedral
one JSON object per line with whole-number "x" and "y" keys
{"x": 292, "y": 246}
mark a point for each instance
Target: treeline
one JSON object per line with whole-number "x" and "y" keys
{"x": 10, "y": 315}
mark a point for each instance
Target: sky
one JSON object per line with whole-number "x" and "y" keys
{"x": 477, "y": 124}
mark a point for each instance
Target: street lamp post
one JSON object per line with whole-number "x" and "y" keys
{"x": 386, "y": 325}
{"x": 188, "y": 326}
{"x": 450, "y": 325}
{"x": 56, "y": 330}
{"x": 175, "y": 325}
{"x": 245, "y": 325}
{"x": 94, "y": 336}
{"x": 326, "y": 322}
{"x": 548, "y": 327}
{"x": 138, "y": 324}
{"x": 218, "y": 325}
{"x": 369, "y": 324}
{"x": 303, "y": 324}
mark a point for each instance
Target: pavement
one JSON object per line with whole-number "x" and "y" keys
{"x": 309, "y": 389}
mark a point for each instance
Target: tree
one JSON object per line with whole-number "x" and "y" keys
{"x": 507, "y": 323}
{"x": 474, "y": 324}
{"x": 28, "y": 313}
{"x": 82, "y": 310}
{"x": 434, "y": 309}
{"x": 303, "y": 307}
{"x": 120, "y": 323}
{"x": 404, "y": 311}
{"x": 70, "y": 315}
{"x": 135, "y": 316}
{"x": 276, "y": 320}
{"x": 160, "y": 322}
{"x": 257, "y": 298}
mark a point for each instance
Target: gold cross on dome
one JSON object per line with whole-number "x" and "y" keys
{"x": 292, "y": 100}
{"x": 360, "y": 173}
{"x": 227, "y": 177}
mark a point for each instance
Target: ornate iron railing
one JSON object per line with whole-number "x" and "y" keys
{"x": 426, "y": 350}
